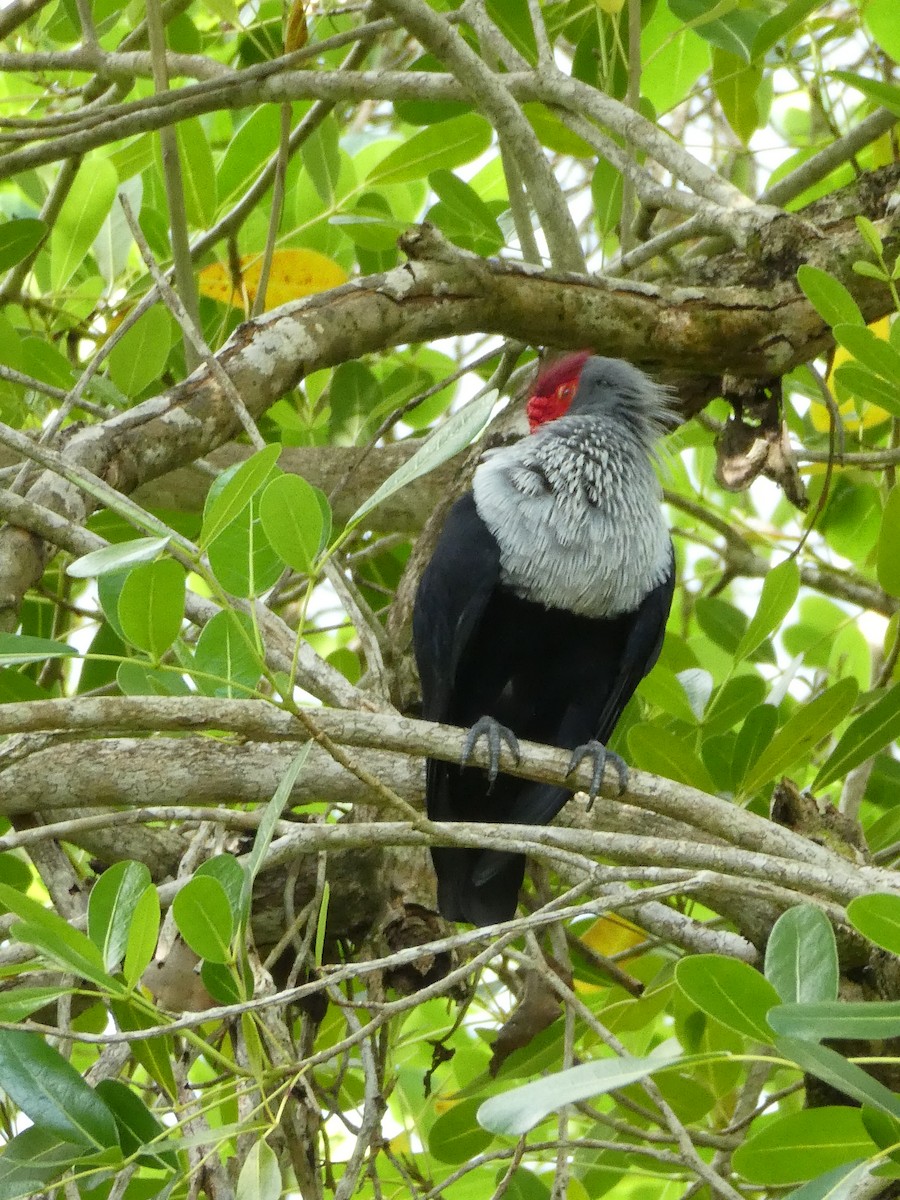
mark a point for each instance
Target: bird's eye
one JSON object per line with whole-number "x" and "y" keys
{"x": 567, "y": 391}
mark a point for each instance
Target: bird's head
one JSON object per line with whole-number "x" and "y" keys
{"x": 585, "y": 384}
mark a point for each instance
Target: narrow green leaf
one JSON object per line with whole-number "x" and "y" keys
{"x": 837, "y": 1019}
{"x": 203, "y": 916}
{"x": 322, "y": 159}
{"x": 859, "y": 382}
{"x": 155, "y": 1054}
{"x": 829, "y": 297}
{"x": 877, "y": 917}
{"x": 729, "y": 991}
{"x": 664, "y": 753}
{"x": 870, "y": 235}
{"x": 82, "y": 215}
{"x": 291, "y": 516}
{"x": 736, "y": 84}
{"x": 801, "y": 956}
{"x": 19, "y": 648}
{"x": 518, "y": 1111}
{"x": 834, "y": 1069}
{"x": 21, "y": 1002}
{"x": 139, "y": 359}
{"x": 443, "y": 146}
{"x": 785, "y": 22}
{"x": 870, "y": 350}
{"x": 44, "y": 928}
{"x": 151, "y": 605}
{"x": 111, "y": 908}
{"x": 136, "y": 1124}
{"x": 889, "y": 545}
{"x": 442, "y": 443}
{"x": 837, "y": 1184}
{"x": 260, "y": 1177}
{"x": 322, "y": 924}
{"x": 870, "y": 732}
{"x": 887, "y": 94}
{"x": 270, "y": 818}
{"x": 809, "y": 724}
{"x": 119, "y": 557}
{"x": 51, "y": 1093}
{"x": 18, "y": 238}
{"x": 800, "y": 1145}
{"x": 233, "y": 490}
{"x": 779, "y": 592}
{"x": 143, "y": 934}
{"x": 34, "y": 1159}
{"x": 737, "y": 697}
{"x": 456, "y": 1135}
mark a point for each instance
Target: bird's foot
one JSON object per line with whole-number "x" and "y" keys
{"x": 601, "y": 756}
{"x": 490, "y": 728}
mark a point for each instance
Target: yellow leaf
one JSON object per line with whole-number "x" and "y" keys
{"x": 296, "y": 32}
{"x": 872, "y": 414}
{"x": 294, "y": 273}
{"x": 612, "y": 935}
{"x": 613, "y": 7}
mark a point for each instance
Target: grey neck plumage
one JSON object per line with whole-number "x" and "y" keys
{"x": 575, "y": 510}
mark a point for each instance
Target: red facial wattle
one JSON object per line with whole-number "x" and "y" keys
{"x": 555, "y": 390}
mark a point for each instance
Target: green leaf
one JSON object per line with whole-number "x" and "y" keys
{"x": 19, "y": 648}
{"x": 226, "y": 652}
{"x": 260, "y": 1177}
{"x": 801, "y": 956}
{"x": 734, "y": 31}
{"x": 322, "y": 159}
{"x": 838, "y": 1019}
{"x": 226, "y": 869}
{"x": 837, "y": 1184}
{"x": 140, "y": 357}
{"x": 442, "y": 443}
{"x": 870, "y": 235}
{"x": 464, "y": 214}
{"x": 51, "y": 1093}
{"x": 136, "y": 1124}
{"x": 877, "y": 917}
{"x": 809, "y": 724}
{"x": 801, "y": 1145}
{"x": 111, "y": 908}
{"x": 151, "y": 605}
{"x": 779, "y": 591}
{"x": 19, "y": 1003}
{"x": 445, "y": 146}
{"x": 155, "y": 1054}
{"x": 355, "y": 397}
{"x": 242, "y": 558}
{"x": 32, "y": 1160}
{"x": 859, "y": 382}
{"x": 518, "y": 1111}
{"x": 198, "y": 172}
{"x": 18, "y": 238}
{"x": 270, "y": 818}
{"x": 870, "y": 732}
{"x": 870, "y": 350}
{"x": 456, "y": 1134}
{"x": 834, "y": 1069}
{"x": 119, "y": 557}
{"x": 729, "y": 991}
{"x": 83, "y": 212}
{"x": 886, "y": 94}
{"x": 662, "y": 752}
{"x": 737, "y": 697}
{"x": 45, "y": 929}
{"x": 136, "y": 679}
{"x": 889, "y": 545}
{"x": 291, "y": 516}
{"x": 789, "y": 20}
{"x": 829, "y": 297}
{"x": 143, "y": 934}
{"x": 233, "y": 491}
{"x": 736, "y": 85}
{"x": 203, "y": 916}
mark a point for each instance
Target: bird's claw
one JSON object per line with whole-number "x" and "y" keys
{"x": 490, "y": 728}
{"x": 600, "y": 756}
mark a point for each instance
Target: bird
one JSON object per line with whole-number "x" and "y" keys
{"x": 543, "y": 605}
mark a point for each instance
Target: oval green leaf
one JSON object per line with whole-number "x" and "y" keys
{"x": 801, "y": 1145}
{"x": 801, "y": 956}
{"x": 18, "y": 238}
{"x": 111, "y": 908}
{"x": 729, "y": 991}
{"x": 151, "y": 605}
{"x": 877, "y": 917}
{"x": 226, "y": 660}
{"x": 447, "y": 145}
{"x": 291, "y": 516}
{"x": 233, "y": 490}
{"x": 829, "y": 297}
{"x": 203, "y": 916}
